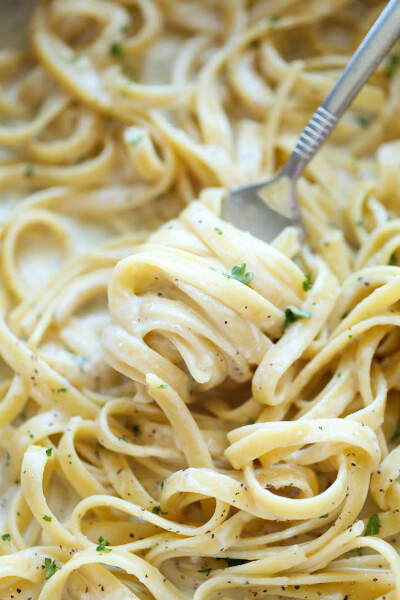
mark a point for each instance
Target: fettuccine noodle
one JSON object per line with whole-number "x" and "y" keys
{"x": 187, "y": 411}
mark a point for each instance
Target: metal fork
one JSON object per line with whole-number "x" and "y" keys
{"x": 269, "y": 206}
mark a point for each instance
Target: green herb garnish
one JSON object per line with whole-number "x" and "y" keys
{"x": 61, "y": 390}
{"x": 49, "y": 451}
{"x": 163, "y": 386}
{"x": 6, "y": 537}
{"x": 293, "y": 314}
{"x": 30, "y": 171}
{"x": 274, "y": 18}
{"x": 51, "y": 567}
{"x": 249, "y": 421}
{"x": 324, "y": 516}
{"x": 307, "y": 283}
{"x": 392, "y": 260}
{"x": 363, "y": 121}
{"x": 206, "y": 571}
{"x": 373, "y": 525}
{"x": 136, "y": 429}
{"x": 395, "y": 433}
{"x": 157, "y": 510}
{"x": 233, "y": 562}
{"x": 239, "y": 273}
{"x": 218, "y": 230}
{"x": 116, "y": 49}
{"x": 391, "y": 64}
{"x": 360, "y": 223}
{"x": 102, "y": 545}
{"x": 47, "y": 518}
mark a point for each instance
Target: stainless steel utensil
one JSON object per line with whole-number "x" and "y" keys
{"x": 269, "y": 206}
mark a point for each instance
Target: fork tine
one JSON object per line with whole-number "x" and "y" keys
{"x": 244, "y": 209}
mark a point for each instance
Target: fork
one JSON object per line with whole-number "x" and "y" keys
{"x": 267, "y": 207}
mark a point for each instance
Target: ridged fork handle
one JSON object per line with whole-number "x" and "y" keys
{"x": 363, "y": 63}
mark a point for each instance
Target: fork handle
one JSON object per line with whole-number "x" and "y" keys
{"x": 363, "y": 63}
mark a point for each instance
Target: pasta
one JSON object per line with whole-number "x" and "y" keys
{"x": 185, "y": 410}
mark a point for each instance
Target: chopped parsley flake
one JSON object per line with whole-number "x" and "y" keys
{"x": 157, "y": 510}
{"x": 102, "y": 545}
{"x": 47, "y": 518}
{"x": 373, "y": 525}
{"x": 135, "y": 141}
{"x": 392, "y": 260}
{"x": 30, "y": 171}
{"x": 218, "y": 230}
{"x": 50, "y": 567}
{"x": 249, "y": 421}
{"x": 307, "y": 283}
{"x": 162, "y": 484}
{"x": 239, "y": 273}
{"x": 324, "y": 516}
{"x": 122, "y": 439}
{"x": 49, "y": 451}
{"x": 233, "y": 562}
{"x": 206, "y": 571}
{"x": 116, "y": 50}
{"x": 31, "y": 436}
{"x": 363, "y": 121}
{"x": 396, "y": 432}
{"x": 274, "y": 18}
{"x": 293, "y": 314}
{"x": 343, "y": 315}
{"x": 360, "y": 223}
{"x": 391, "y": 64}
{"x": 163, "y": 386}
{"x": 136, "y": 429}
{"x": 61, "y": 390}
{"x": 6, "y": 537}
